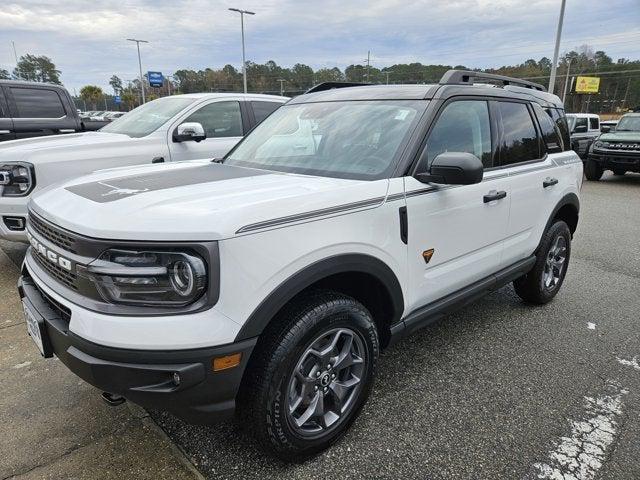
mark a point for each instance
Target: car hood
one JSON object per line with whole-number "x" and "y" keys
{"x": 47, "y": 149}
{"x": 620, "y": 137}
{"x": 197, "y": 201}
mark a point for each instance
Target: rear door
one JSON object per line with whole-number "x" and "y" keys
{"x": 6, "y": 123}
{"x": 464, "y": 232}
{"x": 39, "y": 111}
{"x": 535, "y": 180}
{"x": 224, "y": 121}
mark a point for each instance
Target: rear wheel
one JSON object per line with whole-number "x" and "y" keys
{"x": 544, "y": 280}
{"x": 310, "y": 375}
{"x": 592, "y": 170}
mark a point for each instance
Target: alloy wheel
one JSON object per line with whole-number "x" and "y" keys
{"x": 555, "y": 264}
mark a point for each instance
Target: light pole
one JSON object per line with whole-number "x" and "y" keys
{"x": 554, "y": 65}
{"x": 566, "y": 81}
{"x": 281, "y": 80}
{"x": 244, "y": 65}
{"x": 138, "y": 42}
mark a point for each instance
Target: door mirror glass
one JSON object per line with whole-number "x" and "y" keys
{"x": 189, "y": 131}
{"x": 454, "y": 168}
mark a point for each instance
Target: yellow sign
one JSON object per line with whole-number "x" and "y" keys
{"x": 587, "y": 84}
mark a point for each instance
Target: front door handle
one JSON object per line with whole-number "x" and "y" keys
{"x": 493, "y": 195}
{"x": 4, "y": 132}
{"x": 549, "y": 182}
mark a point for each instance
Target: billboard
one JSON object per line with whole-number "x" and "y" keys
{"x": 587, "y": 84}
{"x": 155, "y": 79}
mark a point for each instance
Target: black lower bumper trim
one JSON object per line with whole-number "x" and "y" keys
{"x": 178, "y": 381}
{"x": 626, "y": 161}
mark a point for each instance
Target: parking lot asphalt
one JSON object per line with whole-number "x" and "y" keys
{"x": 497, "y": 390}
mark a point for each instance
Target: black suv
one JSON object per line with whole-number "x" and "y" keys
{"x": 618, "y": 150}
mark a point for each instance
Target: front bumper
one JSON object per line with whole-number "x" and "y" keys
{"x": 145, "y": 377}
{"x": 10, "y": 208}
{"x": 618, "y": 160}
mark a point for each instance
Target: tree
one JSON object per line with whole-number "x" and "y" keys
{"x": 116, "y": 84}
{"x": 4, "y": 74}
{"x": 37, "y": 69}
{"x": 91, "y": 94}
{"x": 129, "y": 98}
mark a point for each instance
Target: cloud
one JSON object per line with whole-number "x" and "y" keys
{"x": 87, "y": 40}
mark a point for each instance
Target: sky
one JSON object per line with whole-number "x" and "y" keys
{"x": 87, "y": 39}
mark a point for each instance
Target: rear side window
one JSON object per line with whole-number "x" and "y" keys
{"x": 563, "y": 126}
{"x": 262, "y": 110}
{"x": 594, "y": 124}
{"x": 519, "y": 142}
{"x": 463, "y": 126}
{"x": 219, "y": 119}
{"x": 548, "y": 129}
{"x": 37, "y": 103}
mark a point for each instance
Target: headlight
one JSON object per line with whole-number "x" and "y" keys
{"x": 16, "y": 179}
{"x": 148, "y": 278}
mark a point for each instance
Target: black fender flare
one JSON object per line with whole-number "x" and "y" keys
{"x": 569, "y": 199}
{"x": 358, "y": 263}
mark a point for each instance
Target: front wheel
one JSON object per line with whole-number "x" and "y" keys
{"x": 592, "y": 170}
{"x": 543, "y": 282}
{"x": 310, "y": 375}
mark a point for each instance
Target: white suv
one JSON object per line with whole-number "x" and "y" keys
{"x": 267, "y": 283}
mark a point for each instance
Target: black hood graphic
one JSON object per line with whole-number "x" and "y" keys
{"x": 113, "y": 189}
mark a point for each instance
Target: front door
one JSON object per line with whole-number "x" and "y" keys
{"x": 222, "y": 122}
{"x": 455, "y": 236}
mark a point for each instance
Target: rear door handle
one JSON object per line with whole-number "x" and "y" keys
{"x": 549, "y": 182}
{"x": 493, "y": 195}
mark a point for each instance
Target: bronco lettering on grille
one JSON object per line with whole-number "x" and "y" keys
{"x": 50, "y": 255}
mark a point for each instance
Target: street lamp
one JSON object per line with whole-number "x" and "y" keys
{"x": 244, "y": 66}
{"x": 138, "y": 42}
{"x": 552, "y": 80}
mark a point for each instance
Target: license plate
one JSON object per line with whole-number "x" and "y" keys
{"x": 34, "y": 328}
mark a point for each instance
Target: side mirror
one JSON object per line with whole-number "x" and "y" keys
{"x": 580, "y": 129}
{"x": 605, "y": 128}
{"x": 454, "y": 168}
{"x": 189, "y": 131}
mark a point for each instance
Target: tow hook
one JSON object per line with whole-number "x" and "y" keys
{"x": 112, "y": 399}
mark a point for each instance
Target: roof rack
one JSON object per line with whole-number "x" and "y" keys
{"x": 466, "y": 77}
{"x": 321, "y": 87}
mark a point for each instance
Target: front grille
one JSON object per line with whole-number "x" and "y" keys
{"x": 632, "y": 146}
{"x": 67, "y": 278}
{"x": 53, "y": 234}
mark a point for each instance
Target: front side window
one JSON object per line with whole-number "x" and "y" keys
{"x": 219, "y": 119}
{"x": 519, "y": 142}
{"x": 37, "y": 103}
{"x": 463, "y": 126}
{"x": 348, "y": 139}
{"x": 580, "y": 122}
{"x": 147, "y": 118}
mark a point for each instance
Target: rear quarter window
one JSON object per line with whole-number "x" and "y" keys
{"x": 37, "y": 103}
{"x": 559, "y": 118}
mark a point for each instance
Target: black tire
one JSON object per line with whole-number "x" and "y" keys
{"x": 593, "y": 171}
{"x": 270, "y": 381}
{"x": 619, "y": 172}
{"x": 534, "y": 287}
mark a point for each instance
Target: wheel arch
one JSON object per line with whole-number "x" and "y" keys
{"x": 364, "y": 277}
{"x": 567, "y": 210}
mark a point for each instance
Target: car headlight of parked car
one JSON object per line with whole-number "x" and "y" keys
{"x": 147, "y": 277}
{"x": 16, "y": 179}
{"x": 601, "y": 144}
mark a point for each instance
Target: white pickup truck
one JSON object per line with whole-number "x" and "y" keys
{"x": 180, "y": 127}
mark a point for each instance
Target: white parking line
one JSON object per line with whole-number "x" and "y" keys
{"x": 580, "y": 455}
{"x": 629, "y": 363}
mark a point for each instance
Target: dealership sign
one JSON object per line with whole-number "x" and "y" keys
{"x": 155, "y": 79}
{"x": 587, "y": 84}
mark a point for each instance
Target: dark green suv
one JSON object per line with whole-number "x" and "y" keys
{"x": 618, "y": 150}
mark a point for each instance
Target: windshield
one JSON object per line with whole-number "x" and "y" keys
{"x": 148, "y": 118}
{"x": 357, "y": 139}
{"x": 629, "y": 123}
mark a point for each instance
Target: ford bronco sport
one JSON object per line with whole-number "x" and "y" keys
{"x": 267, "y": 282}
{"x": 617, "y": 150}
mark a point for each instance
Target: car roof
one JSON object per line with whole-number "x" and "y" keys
{"x": 23, "y": 83}
{"x": 632, "y": 114}
{"x": 584, "y": 115}
{"x": 250, "y": 96}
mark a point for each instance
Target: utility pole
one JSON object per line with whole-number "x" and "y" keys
{"x": 368, "y": 63}
{"x": 554, "y": 65}
{"x": 138, "y": 42}
{"x": 566, "y": 80}
{"x": 13, "y": 44}
{"x": 281, "y": 80}
{"x": 626, "y": 93}
{"x": 244, "y": 63}
{"x": 387, "y": 73}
